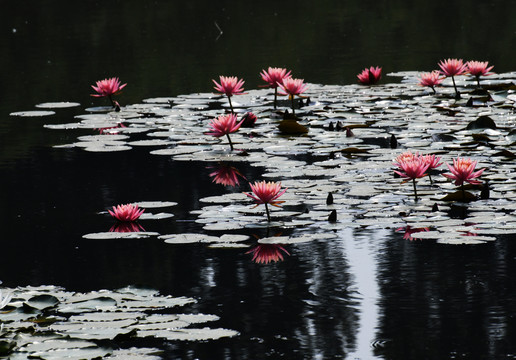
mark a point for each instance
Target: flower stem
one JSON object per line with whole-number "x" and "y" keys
{"x": 230, "y": 143}
{"x": 293, "y": 111}
{"x": 415, "y": 191}
{"x": 455, "y": 87}
{"x": 463, "y": 192}
{"x": 275, "y": 96}
{"x": 268, "y": 214}
{"x": 231, "y": 105}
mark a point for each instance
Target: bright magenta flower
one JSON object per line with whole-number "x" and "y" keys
{"x": 292, "y": 87}
{"x": 274, "y": 76}
{"x": 478, "y": 69}
{"x": 463, "y": 170}
{"x": 107, "y": 87}
{"x": 229, "y": 85}
{"x": 224, "y": 125}
{"x": 370, "y": 76}
{"x": 249, "y": 119}
{"x": 128, "y": 212}
{"x": 266, "y": 253}
{"x": 431, "y": 79}
{"x": 226, "y": 175}
{"x": 452, "y": 67}
{"x": 266, "y": 193}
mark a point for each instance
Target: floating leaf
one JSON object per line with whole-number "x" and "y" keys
{"x": 292, "y": 127}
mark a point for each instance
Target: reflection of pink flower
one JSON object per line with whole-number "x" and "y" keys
{"x": 431, "y": 79}
{"x": 224, "y": 125}
{"x": 105, "y": 129}
{"x": 107, "y": 87}
{"x": 226, "y": 175}
{"x": 266, "y": 253}
{"x": 463, "y": 170}
{"x": 126, "y": 213}
{"x": 274, "y": 76}
{"x": 229, "y": 85}
{"x": 409, "y": 231}
{"x": 370, "y": 76}
{"x": 124, "y": 227}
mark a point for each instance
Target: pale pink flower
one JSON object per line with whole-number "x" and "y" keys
{"x": 127, "y": 212}
{"x": 430, "y": 79}
{"x": 274, "y": 76}
{"x": 107, "y": 87}
{"x": 266, "y": 253}
{"x": 224, "y": 125}
{"x": 479, "y": 68}
{"x": 292, "y": 87}
{"x": 452, "y": 67}
{"x": 370, "y": 76}
{"x": 266, "y": 193}
{"x": 411, "y": 169}
{"x": 229, "y": 85}
{"x": 432, "y": 161}
{"x": 406, "y": 156}
{"x": 463, "y": 170}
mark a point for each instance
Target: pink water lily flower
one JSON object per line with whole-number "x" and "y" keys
{"x": 292, "y": 87}
{"x": 274, "y": 77}
{"x": 108, "y": 87}
{"x": 431, "y": 79}
{"x": 127, "y": 212}
{"x": 229, "y": 85}
{"x": 370, "y": 76}
{"x": 463, "y": 170}
{"x": 478, "y": 69}
{"x": 266, "y": 193}
{"x": 412, "y": 169}
{"x": 224, "y": 125}
{"x": 451, "y": 68}
{"x": 266, "y": 253}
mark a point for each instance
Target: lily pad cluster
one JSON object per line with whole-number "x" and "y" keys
{"x": 386, "y": 120}
{"x": 47, "y": 322}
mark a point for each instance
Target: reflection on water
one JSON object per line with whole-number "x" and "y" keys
{"x": 364, "y": 295}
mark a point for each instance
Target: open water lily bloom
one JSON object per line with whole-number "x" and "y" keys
{"x": 229, "y": 85}
{"x": 266, "y": 193}
{"x": 451, "y": 68}
{"x": 292, "y": 87}
{"x": 431, "y": 79}
{"x": 478, "y": 69}
{"x": 463, "y": 170}
{"x": 370, "y": 76}
{"x": 127, "y": 212}
{"x": 107, "y": 87}
{"x": 266, "y": 253}
{"x": 274, "y": 77}
{"x": 412, "y": 169}
{"x": 224, "y": 125}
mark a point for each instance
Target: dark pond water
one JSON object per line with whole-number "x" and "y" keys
{"x": 368, "y": 294}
